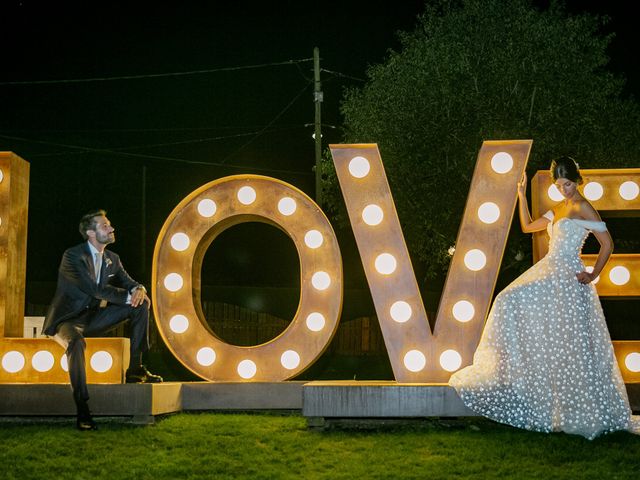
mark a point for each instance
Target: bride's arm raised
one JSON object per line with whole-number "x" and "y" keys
{"x": 528, "y": 225}
{"x": 604, "y": 238}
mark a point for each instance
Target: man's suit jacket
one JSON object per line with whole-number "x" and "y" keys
{"x": 77, "y": 289}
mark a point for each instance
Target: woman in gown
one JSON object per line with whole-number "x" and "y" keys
{"x": 545, "y": 360}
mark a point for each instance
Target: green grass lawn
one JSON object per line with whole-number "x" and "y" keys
{"x": 265, "y": 446}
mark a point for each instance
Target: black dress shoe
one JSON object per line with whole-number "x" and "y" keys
{"x": 140, "y": 374}
{"x": 86, "y": 424}
{"x": 84, "y": 420}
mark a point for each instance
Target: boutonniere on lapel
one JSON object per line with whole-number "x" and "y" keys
{"x": 108, "y": 262}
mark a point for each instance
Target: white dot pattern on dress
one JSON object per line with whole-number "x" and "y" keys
{"x": 545, "y": 360}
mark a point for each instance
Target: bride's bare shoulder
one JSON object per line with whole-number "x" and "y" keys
{"x": 587, "y": 212}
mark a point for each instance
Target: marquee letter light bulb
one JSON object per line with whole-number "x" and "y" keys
{"x": 553, "y": 193}
{"x": 180, "y": 318}
{"x": 207, "y": 207}
{"x": 632, "y": 362}
{"x": 101, "y": 361}
{"x": 180, "y": 241}
{"x": 450, "y": 360}
{"x": 43, "y": 361}
{"x": 629, "y": 190}
{"x": 502, "y": 162}
{"x": 13, "y": 361}
{"x": 499, "y": 168}
{"x": 463, "y": 311}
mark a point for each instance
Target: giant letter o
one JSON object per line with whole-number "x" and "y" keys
{"x": 177, "y": 262}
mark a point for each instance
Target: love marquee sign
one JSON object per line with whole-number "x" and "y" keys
{"x": 417, "y": 353}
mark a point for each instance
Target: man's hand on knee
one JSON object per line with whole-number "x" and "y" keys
{"x": 138, "y": 297}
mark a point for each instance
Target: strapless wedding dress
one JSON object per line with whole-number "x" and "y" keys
{"x": 545, "y": 360}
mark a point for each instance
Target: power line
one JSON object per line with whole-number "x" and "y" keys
{"x": 125, "y": 130}
{"x": 167, "y": 144}
{"x": 154, "y": 157}
{"x": 343, "y": 75}
{"x": 154, "y": 75}
{"x": 293, "y": 100}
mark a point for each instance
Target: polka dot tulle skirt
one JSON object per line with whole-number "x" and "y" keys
{"x": 545, "y": 361}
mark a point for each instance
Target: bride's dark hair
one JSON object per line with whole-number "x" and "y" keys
{"x": 565, "y": 167}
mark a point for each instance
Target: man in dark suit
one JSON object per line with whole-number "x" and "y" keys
{"x": 93, "y": 295}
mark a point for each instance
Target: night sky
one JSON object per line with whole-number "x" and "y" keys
{"x": 103, "y": 143}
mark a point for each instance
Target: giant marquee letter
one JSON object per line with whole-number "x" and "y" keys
{"x": 36, "y": 360}
{"x": 415, "y": 353}
{"x": 177, "y": 261}
{"x": 613, "y": 193}
{"x": 14, "y": 203}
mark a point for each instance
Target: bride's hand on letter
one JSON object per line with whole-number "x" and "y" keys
{"x": 522, "y": 184}
{"x": 585, "y": 277}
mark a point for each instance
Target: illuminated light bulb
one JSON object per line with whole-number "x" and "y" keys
{"x": 554, "y": 194}
{"x": 632, "y": 362}
{"x": 619, "y": 275}
{"x": 450, "y": 360}
{"x": 247, "y": 369}
{"x": 489, "y": 212}
{"x": 179, "y": 324}
{"x": 64, "y": 363}
{"x": 180, "y": 241}
{"x": 207, "y": 208}
{"x": 206, "y": 356}
{"x": 386, "y": 264}
{"x": 315, "y": 321}
{"x": 246, "y": 195}
{"x": 590, "y": 270}
{"x": 359, "y": 167}
{"x": 1, "y": 175}
{"x": 42, "y": 361}
{"x": 475, "y": 259}
{"x": 593, "y": 191}
{"x": 101, "y": 361}
{"x": 290, "y": 360}
{"x": 287, "y": 206}
{"x": 463, "y": 311}
{"x": 501, "y": 162}
{"x": 313, "y": 239}
{"x": 13, "y": 361}
{"x": 173, "y": 282}
{"x": 629, "y": 190}
{"x": 414, "y": 360}
{"x": 0, "y": 221}
{"x": 400, "y": 311}
{"x": 321, "y": 280}
{"x": 372, "y": 215}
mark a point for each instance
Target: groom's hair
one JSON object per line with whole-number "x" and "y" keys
{"x": 87, "y": 222}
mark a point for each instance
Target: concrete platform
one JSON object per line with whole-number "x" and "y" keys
{"x": 325, "y": 403}
{"x": 349, "y": 399}
{"x": 142, "y": 402}
{"x": 318, "y": 401}
{"x": 242, "y": 396}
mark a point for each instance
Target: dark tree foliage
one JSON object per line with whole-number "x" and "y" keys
{"x": 476, "y": 70}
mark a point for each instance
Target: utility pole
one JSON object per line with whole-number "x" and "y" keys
{"x": 317, "y": 98}
{"x": 143, "y": 230}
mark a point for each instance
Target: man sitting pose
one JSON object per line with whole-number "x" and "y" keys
{"x": 93, "y": 295}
